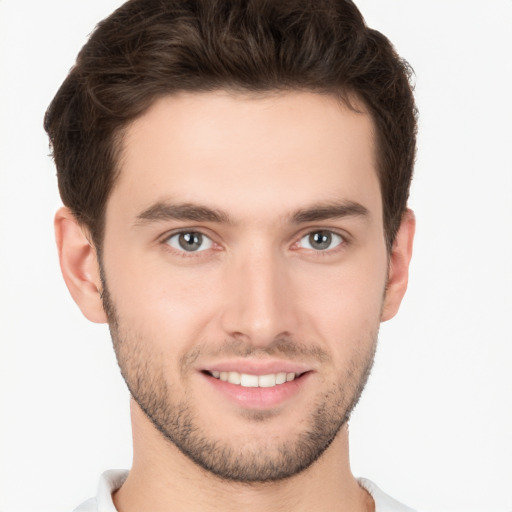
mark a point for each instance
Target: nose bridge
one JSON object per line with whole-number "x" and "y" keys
{"x": 259, "y": 306}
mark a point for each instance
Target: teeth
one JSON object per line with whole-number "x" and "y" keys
{"x": 267, "y": 381}
{"x": 248, "y": 381}
{"x": 234, "y": 377}
{"x": 254, "y": 381}
{"x": 281, "y": 378}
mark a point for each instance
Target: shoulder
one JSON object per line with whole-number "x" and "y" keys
{"x": 383, "y": 502}
{"x": 110, "y": 481}
{"x": 88, "y": 506}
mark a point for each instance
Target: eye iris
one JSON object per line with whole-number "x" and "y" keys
{"x": 320, "y": 239}
{"x": 190, "y": 241}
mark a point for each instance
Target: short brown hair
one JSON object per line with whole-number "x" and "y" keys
{"x": 150, "y": 48}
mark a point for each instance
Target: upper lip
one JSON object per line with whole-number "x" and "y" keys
{"x": 257, "y": 366}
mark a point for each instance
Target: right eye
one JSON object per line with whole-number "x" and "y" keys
{"x": 189, "y": 241}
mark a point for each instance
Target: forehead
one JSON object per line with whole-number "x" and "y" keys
{"x": 239, "y": 151}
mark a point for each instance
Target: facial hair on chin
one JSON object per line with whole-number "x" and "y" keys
{"x": 179, "y": 424}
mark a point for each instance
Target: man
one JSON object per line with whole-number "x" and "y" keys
{"x": 235, "y": 177}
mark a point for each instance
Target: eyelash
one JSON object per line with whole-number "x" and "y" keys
{"x": 320, "y": 253}
{"x": 183, "y": 253}
{"x": 333, "y": 236}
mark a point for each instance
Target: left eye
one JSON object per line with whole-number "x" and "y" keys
{"x": 189, "y": 241}
{"x": 321, "y": 240}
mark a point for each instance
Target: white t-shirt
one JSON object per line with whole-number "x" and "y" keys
{"x": 112, "y": 480}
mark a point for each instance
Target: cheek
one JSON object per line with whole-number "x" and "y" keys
{"x": 166, "y": 305}
{"x": 179, "y": 307}
{"x": 343, "y": 305}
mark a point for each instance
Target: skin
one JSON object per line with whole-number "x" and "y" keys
{"x": 259, "y": 292}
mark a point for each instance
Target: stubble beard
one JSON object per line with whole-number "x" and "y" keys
{"x": 179, "y": 425}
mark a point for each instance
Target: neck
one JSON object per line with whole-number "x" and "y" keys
{"x": 164, "y": 479}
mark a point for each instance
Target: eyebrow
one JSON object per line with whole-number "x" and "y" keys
{"x": 164, "y": 211}
{"x": 329, "y": 210}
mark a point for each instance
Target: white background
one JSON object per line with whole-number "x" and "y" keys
{"x": 434, "y": 428}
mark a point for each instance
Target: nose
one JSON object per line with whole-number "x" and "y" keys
{"x": 259, "y": 301}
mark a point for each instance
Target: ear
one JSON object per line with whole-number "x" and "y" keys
{"x": 79, "y": 265}
{"x": 398, "y": 273}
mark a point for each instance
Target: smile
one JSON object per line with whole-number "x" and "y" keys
{"x": 258, "y": 385}
{"x": 254, "y": 381}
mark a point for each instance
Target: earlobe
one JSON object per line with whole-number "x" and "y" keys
{"x": 399, "y": 260}
{"x": 79, "y": 265}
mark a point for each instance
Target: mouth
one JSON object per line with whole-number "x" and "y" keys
{"x": 247, "y": 380}
{"x": 258, "y": 384}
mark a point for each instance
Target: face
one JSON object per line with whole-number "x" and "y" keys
{"x": 244, "y": 272}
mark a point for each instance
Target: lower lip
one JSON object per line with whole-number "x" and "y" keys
{"x": 258, "y": 398}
